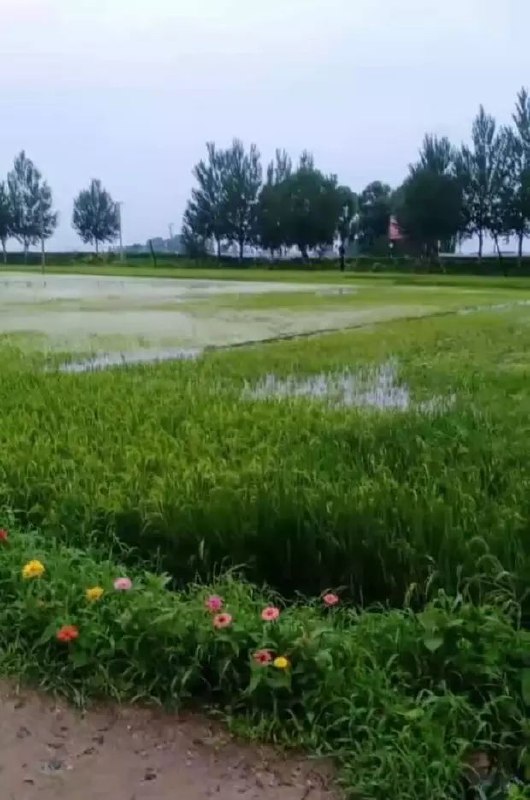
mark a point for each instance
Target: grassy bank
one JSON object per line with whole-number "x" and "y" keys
{"x": 224, "y": 273}
{"x": 401, "y": 700}
{"x": 183, "y": 463}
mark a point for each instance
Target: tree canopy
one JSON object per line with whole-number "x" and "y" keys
{"x": 96, "y": 216}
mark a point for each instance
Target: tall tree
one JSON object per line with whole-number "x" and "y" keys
{"x": 430, "y": 208}
{"x": 271, "y": 212}
{"x": 482, "y": 170}
{"x": 437, "y": 155}
{"x": 33, "y": 217}
{"x": 374, "y": 214}
{"x": 347, "y": 223}
{"x": 207, "y": 207}
{"x": 5, "y": 219}
{"x": 96, "y": 217}
{"x": 312, "y": 206}
{"x": 241, "y": 179}
{"x": 519, "y": 157}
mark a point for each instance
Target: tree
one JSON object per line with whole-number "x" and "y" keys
{"x": 30, "y": 198}
{"x": 519, "y": 160}
{"x": 241, "y": 182}
{"x": 482, "y": 170}
{"x": 348, "y": 220}
{"x": 206, "y": 211}
{"x": 374, "y": 214}
{"x": 96, "y": 217}
{"x": 271, "y": 212}
{"x": 431, "y": 208}
{"x": 312, "y": 206}
{"x": 437, "y": 155}
{"x": 5, "y": 219}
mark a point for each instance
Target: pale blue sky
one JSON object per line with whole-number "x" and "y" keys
{"x": 130, "y": 90}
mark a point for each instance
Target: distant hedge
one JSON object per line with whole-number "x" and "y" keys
{"x": 490, "y": 265}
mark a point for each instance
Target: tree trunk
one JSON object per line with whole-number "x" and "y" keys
{"x": 520, "y": 249}
{"x": 241, "y": 249}
{"x": 218, "y": 249}
{"x": 26, "y": 247}
{"x": 480, "y": 243}
{"x": 42, "y": 254}
{"x": 342, "y": 252}
{"x": 97, "y": 248}
{"x": 4, "y": 251}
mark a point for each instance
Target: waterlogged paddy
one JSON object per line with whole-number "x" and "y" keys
{"x": 133, "y": 319}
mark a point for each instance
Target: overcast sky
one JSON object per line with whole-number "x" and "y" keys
{"x": 129, "y": 91}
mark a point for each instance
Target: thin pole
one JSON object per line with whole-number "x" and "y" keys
{"x": 42, "y": 250}
{"x": 122, "y": 254}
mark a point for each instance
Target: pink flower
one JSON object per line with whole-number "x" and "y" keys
{"x": 222, "y": 621}
{"x": 262, "y": 657}
{"x": 330, "y": 599}
{"x": 270, "y": 613}
{"x": 214, "y": 603}
{"x": 123, "y": 584}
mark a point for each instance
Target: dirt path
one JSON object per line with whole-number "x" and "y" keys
{"x": 50, "y": 752}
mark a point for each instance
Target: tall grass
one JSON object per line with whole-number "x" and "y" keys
{"x": 171, "y": 460}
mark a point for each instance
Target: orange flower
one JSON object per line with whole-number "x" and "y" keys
{"x": 68, "y": 633}
{"x": 222, "y": 621}
{"x": 330, "y": 599}
{"x": 270, "y": 613}
{"x": 262, "y": 657}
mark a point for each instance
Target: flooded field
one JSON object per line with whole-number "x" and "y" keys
{"x": 111, "y": 320}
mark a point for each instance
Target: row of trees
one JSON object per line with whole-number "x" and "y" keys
{"x": 450, "y": 194}
{"x": 27, "y": 214}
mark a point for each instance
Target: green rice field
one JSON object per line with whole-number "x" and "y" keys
{"x": 279, "y": 439}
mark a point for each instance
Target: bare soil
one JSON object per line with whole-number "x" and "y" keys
{"x": 50, "y": 752}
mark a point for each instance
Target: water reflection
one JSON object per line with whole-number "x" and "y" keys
{"x": 376, "y": 387}
{"x": 106, "y": 360}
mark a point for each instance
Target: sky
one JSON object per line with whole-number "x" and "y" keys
{"x": 129, "y": 91}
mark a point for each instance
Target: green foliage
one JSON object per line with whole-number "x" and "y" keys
{"x": 96, "y": 217}
{"x": 172, "y": 460}
{"x": 402, "y": 717}
{"x": 374, "y": 214}
{"x": 6, "y": 218}
{"x": 431, "y": 209}
{"x": 32, "y": 217}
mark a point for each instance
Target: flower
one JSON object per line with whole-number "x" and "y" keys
{"x": 270, "y": 613}
{"x": 330, "y": 599}
{"x": 68, "y": 633}
{"x": 123, "y": 584}
{"x": 262, "y": 657}
{"x": 33, "y": 569}
{"x": 3, "y": 535}
{"x": 281, "y": 662}
{"x": 213, "y": 603}
{"x": 222, "y": 620}
{"x": 95, "y": 593}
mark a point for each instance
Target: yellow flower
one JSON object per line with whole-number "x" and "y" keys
{"x": 95, "y": 593}
{"x": 33, "y": 569}
{"x": 281, "y": 662}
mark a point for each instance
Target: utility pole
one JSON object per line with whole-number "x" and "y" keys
{"x": 122, "y": 254}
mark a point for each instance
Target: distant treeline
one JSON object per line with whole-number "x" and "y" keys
{"x": 450, "y": 194}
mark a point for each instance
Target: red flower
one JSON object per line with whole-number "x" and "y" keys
{"x": 213, "y": 603}
{"x": 270, "y": 613}
{"x": 3, "y": 535}
{"x": 68, "y": 633}
{"x": 330, "y": 599}
{"x": 262, "y": 657}
{"x": 222, "y": 620}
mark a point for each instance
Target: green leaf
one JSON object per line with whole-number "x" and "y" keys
{"x": 433, "y": 643}
{"x": 525, "y": 685}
